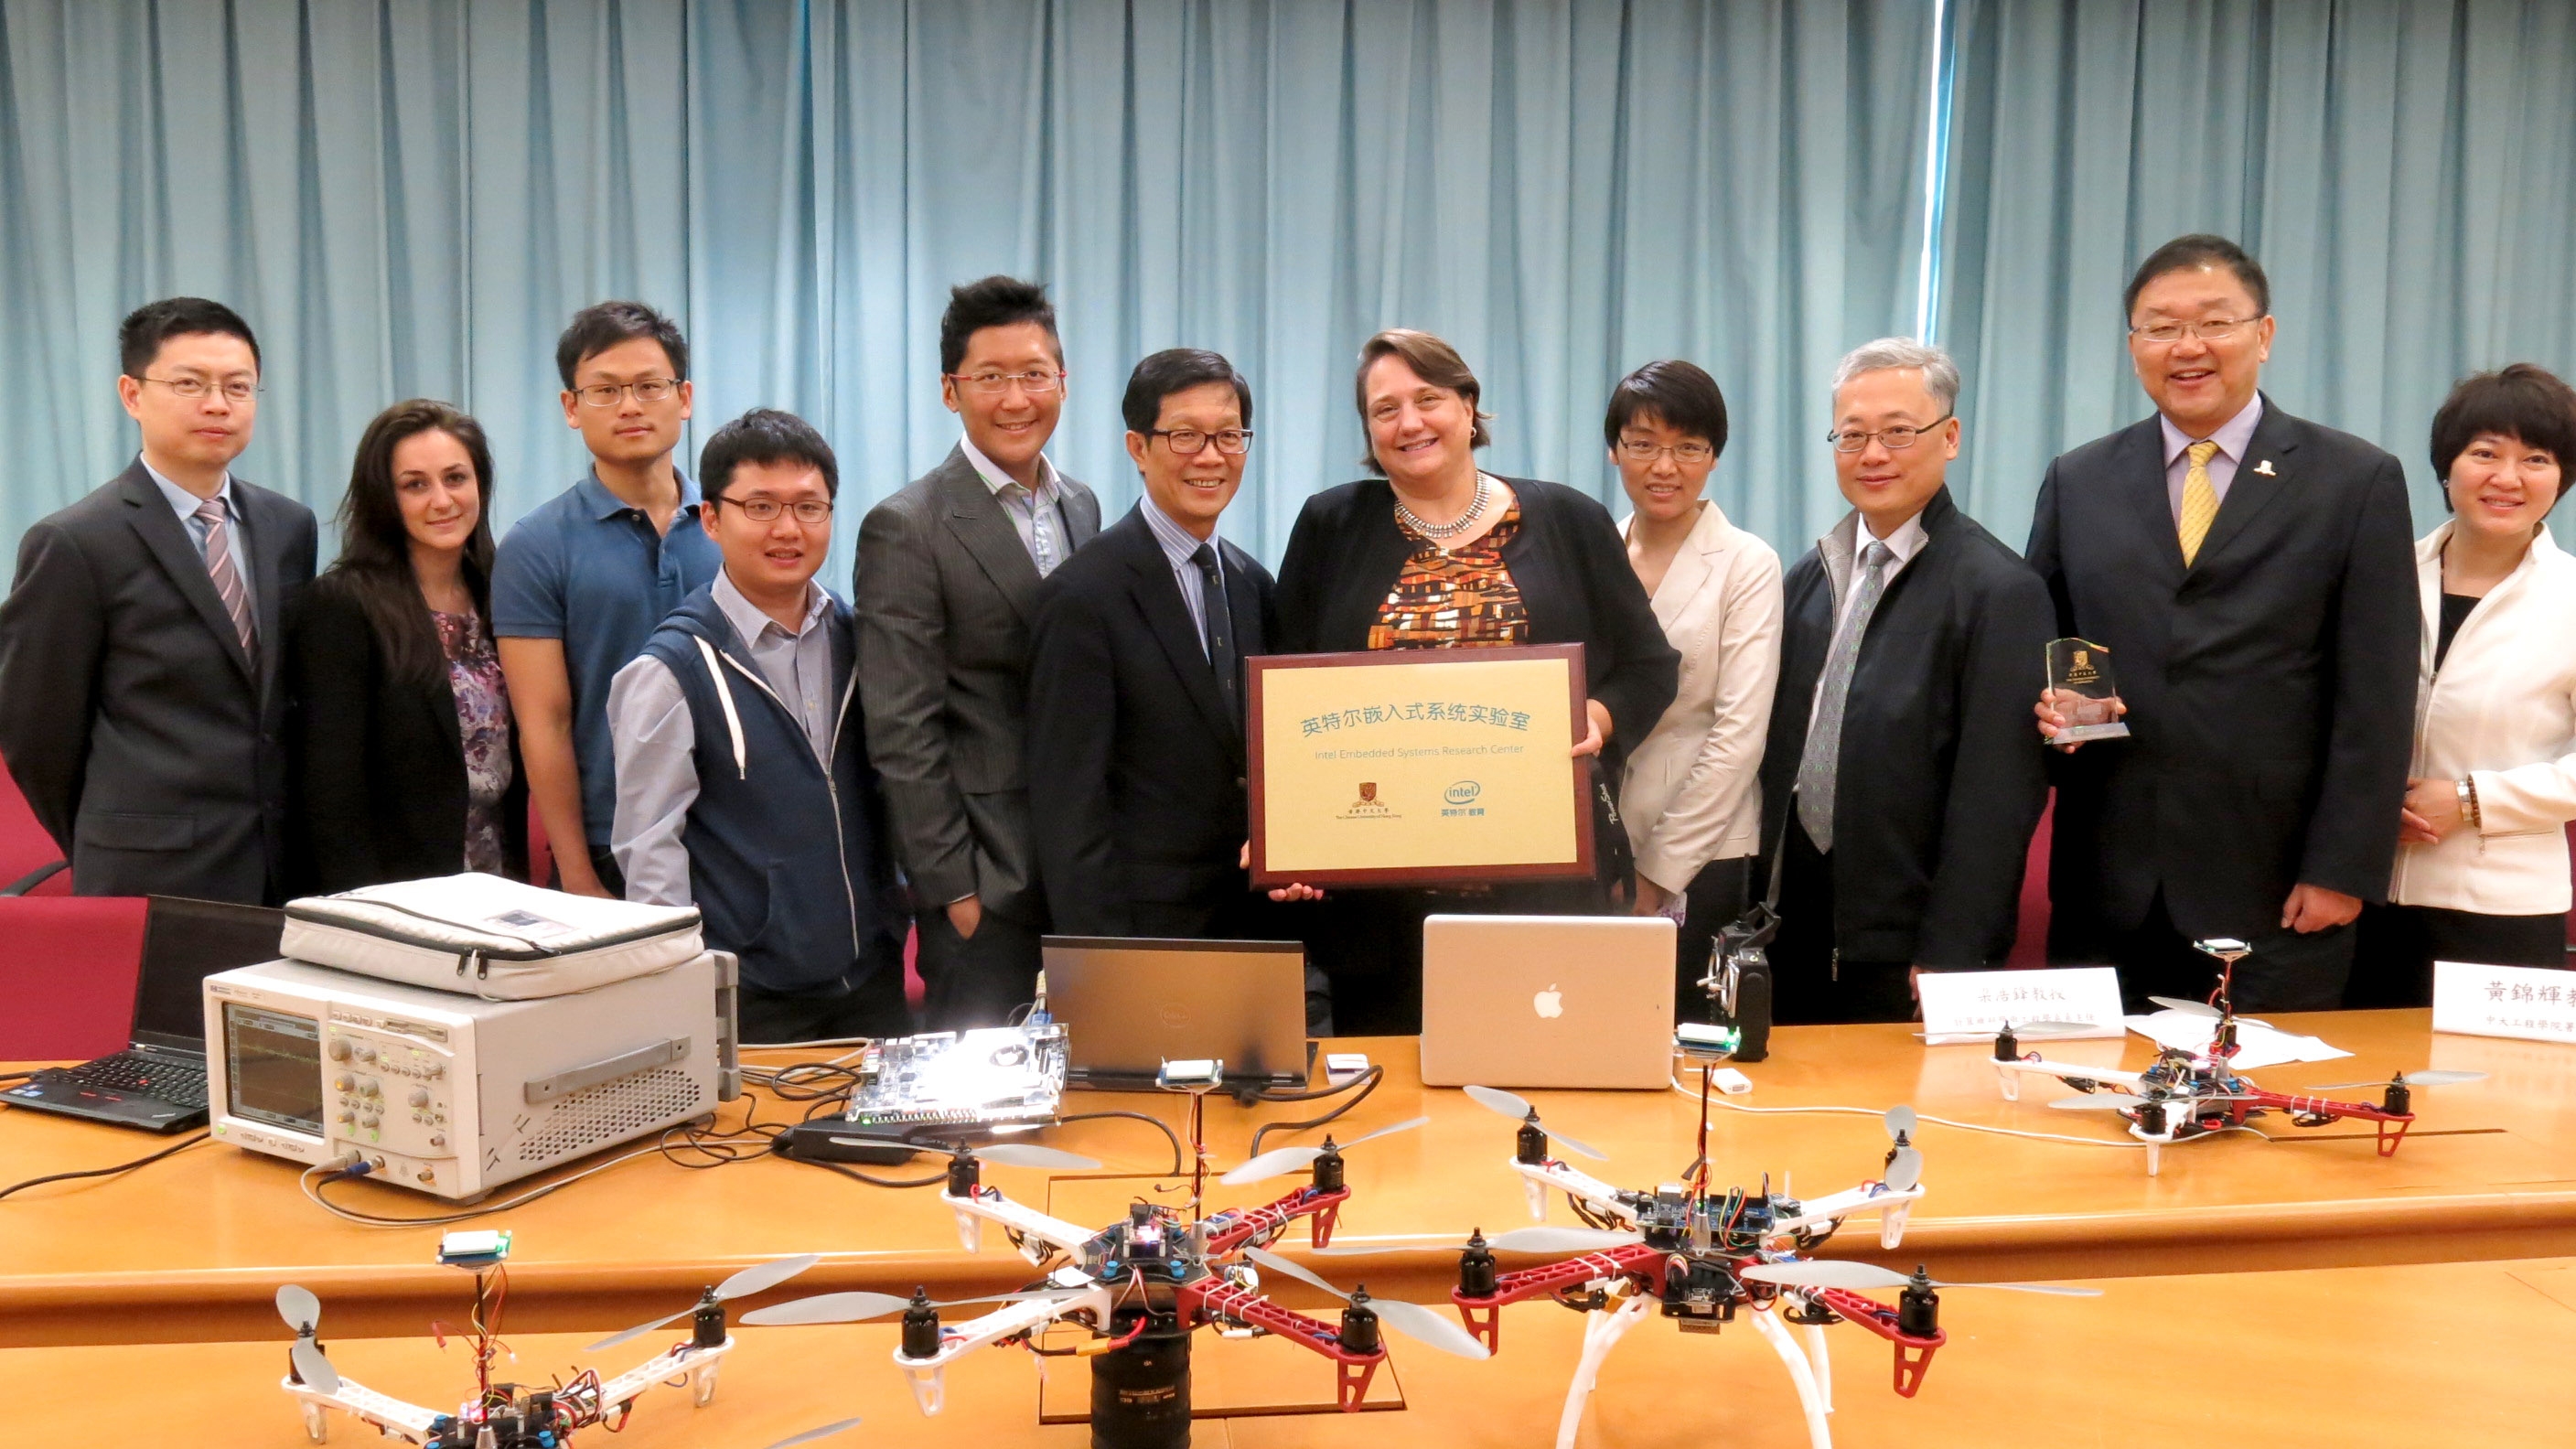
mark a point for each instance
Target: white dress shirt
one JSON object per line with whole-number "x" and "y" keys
{"x": 186, "y": 504}
{"x": 2233, "y": 437}
{"x": 1182, "y": 551}
{"x": 656, "y": 737}
{"x": 1038, "y": 517}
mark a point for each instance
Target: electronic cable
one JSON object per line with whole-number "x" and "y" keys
{"x": 1179, "y": 1165}
{"x": 313, "y": 1191}
{"x": 1361, "y": 1085}
{"x": 1878, "y": 1112}
{"x": 105, "y": 1171}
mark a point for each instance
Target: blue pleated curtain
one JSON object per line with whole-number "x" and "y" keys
{"x": 2405, "y": 170}
{"x": 411, "y": 196}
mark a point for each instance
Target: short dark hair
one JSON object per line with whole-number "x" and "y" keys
{"x": 2520, "y": 401}
{"x": 602, "y": 325}
{"x": 2200, "y": 249}
{"x": 140, "y": 335}
{"x": 1679, "y": 394}
{"x": 993, "y": 302}
{"x": 1435, "y": 362}
{"x": 1177, "y": 369}
{"x": 764, "y": 435}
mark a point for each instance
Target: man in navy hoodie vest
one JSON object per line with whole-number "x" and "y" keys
{"x": 743, "y": 783}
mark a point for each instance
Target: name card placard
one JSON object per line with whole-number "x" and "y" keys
{"x": 2532, "y": 1003}
{"x": 1971, "y": 1006}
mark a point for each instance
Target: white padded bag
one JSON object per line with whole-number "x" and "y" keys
{"x": 483, "y": 935}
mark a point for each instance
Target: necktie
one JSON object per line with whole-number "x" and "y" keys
{"x": 226, "y": 572}
{"x": 1042, "y": 543}
{"x": 1216, "y": 634}
{"x": 1816, "y": 765}
{"x": 2199, "y": 500}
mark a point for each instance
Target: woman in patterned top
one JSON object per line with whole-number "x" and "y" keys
{"x": 1437, "y": 553}
{"x": 405, "y": 761}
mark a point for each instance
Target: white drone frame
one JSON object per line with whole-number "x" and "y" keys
{"x": 695, "y": 1367}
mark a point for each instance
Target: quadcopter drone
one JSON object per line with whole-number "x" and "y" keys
{"x": 1700, "y": 1256}
{"x": 1143, "y": 1285}
{"x": 2186, "y": 1094}
{"x": 517, "y": 1416}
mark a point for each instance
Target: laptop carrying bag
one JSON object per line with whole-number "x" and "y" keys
{"x": 483, "y": 935}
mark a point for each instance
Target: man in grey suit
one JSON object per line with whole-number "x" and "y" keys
{"x": 140, "y": 709}
{"x": 945, "y": 589}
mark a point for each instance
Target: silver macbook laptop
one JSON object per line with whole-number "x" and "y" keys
{"x": 1131, "y": 1004}
{"x": 1547, "y": 1001}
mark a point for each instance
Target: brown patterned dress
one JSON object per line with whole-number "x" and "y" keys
{"x": 1464, "y": 597}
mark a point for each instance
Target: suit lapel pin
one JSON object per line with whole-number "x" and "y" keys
{"x": 2265, "y": 469}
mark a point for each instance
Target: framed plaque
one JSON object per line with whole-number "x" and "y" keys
{"x": 1418, "y": 767}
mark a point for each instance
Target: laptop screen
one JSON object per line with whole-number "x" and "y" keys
{"x": 184, "y": 942}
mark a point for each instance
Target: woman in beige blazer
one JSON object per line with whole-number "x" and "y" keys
{"x": 1692, "y": 807}
{"x": 2482, "y": 870}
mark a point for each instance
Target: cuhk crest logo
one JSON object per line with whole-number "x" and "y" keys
{"x": 1368, "y": 792}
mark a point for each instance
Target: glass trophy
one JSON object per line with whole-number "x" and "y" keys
{"x": 2080, "y": 686}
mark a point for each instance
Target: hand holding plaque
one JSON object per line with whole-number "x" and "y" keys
{"x": 2081, "y": 691}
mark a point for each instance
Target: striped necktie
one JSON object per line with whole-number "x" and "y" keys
{"x": 226, "y": 572}
{"x": 2199, "y": 500}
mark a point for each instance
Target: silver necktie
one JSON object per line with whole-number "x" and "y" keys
{"x": 1825, "y": 731}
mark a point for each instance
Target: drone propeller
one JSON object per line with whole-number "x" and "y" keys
{"x": 2122, "y": 1101}
{"x": 1424, "y": 1325}
{"x": 1844, "y": 1273}
{"x": 812, "y": 1434}
{"x": 1280, "y": 1160}
{"x": 758, "y": 1278}
{"x": 860, "y": 1307}
{"x": 2027, "y": 1031}
{"x": 1517, "y": 1107}
{"x": 1030, "y": 1154}
{"x": 1904, "y": 1171}
{"x": 303, "y": 1313}
{"x": 2409, "y": 1079}
{"x": 1562, "y": 1240}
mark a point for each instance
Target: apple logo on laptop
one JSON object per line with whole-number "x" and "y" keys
{"x": 1550, "y": 1003}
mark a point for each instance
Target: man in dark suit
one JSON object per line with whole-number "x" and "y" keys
{"x": 1898, "y": 779}
{"x": 140, "y": 709}
{"x": 2253, "y": 578}
{"x": 1136, "y": 689}
{"x": 946, "y": 588}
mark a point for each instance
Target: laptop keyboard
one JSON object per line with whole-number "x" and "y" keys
{"x": 179, "y": 1083}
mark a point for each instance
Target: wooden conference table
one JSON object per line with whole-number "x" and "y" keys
{"x": 193, "y": 1248}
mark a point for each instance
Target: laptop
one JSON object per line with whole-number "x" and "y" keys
{"x": 1547, "y": 1001}
{"x": 159, "y": 1081}
{"x": 1131, "y": 1004}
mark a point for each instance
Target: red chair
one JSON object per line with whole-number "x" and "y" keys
{"x": 30, "y": 862}
{"x": 2030, "y": 945}
{"x": 67, "y": 970}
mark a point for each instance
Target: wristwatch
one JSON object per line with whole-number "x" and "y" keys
{"x": 2468, "y": 797}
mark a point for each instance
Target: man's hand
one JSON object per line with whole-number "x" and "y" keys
{"x": 2051, "y": 719}
{"x": 1650, "y": 898}
{"x": 965, "y": 914}
{"x": 2432, "y": 811}
{"x": 1599, "y": 715}
{"x": 2313, "y": 908}
{"x": 1293, "y": 891}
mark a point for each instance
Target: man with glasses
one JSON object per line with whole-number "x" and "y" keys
{"x": 140, "y": 706}
{"x": 2252, "y": 577}
{"x": 743, "y": 784}
{"x": 1136, "y": 686}
{"x": 1900, "y": 784}
{"x": 582, "y": 580}
{"x": 946, "y": 587}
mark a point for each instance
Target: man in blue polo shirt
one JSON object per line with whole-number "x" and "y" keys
{"x": 581, "y": 582}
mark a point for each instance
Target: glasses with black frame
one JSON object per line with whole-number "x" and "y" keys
{"x": 1190, "y": 442}
{"x": 1690, "y": 453}
{"x": 606, "y": 394}
{"x": 766, "y": 510}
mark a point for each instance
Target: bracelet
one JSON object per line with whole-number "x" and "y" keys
{"x": 2467, "y": 789}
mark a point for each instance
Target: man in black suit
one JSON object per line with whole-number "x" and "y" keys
{"x": 2253, "y": 577}
{"x": 1898, "y": 779}
{"x": 946, "y": 588}
{"x": 1136, "y": 686}
{"x": 140, "y": 709}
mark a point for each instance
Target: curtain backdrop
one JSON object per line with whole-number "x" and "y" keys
{"x": 410, "y": 197}
{"x": 2404, "y": 170}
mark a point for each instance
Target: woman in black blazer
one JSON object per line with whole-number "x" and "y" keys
{"x": 1436, "y": 553}
{"x": 406, "y": 762}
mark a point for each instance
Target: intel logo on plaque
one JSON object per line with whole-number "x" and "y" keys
{"x": 2081, "y": 690}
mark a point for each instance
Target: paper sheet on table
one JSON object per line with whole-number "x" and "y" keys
{"x": 2257, "y": 1045}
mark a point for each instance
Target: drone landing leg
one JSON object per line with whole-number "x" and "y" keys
{"x": 1537, "y": 1200}
{"x": 927, "y": 1391}
{"x": 317, "y": 1422}
{"x": 702, "y": 1381}
{"x": 1891, "y": 1225}
{"x": 1820, "y": 1358}
{"x": 1818, "y": 1436}
{"x": 2388, "y": 1140}
{"x": 1602, "y": 1330}
{"x": 2155, "y": 1154}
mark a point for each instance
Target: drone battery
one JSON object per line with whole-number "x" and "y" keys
{"x": 1140, "y": 1394}
{"x": 832, "y": 1140}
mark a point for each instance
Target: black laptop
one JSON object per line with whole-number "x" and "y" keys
{"x": 159, "y": 1081}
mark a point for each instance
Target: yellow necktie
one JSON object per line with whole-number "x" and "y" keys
{"x": 2199, "y": 500}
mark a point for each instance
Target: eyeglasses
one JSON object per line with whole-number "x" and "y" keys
{"x": 1689, "y": 455}
{"x": 1852, "y": 440}
{"x": 1190, "y": 442}
{"x": 2215, "y": 329}
{"x": 606, "y": 394}
{"x": 194, "y": 388}
{"x": 766, "y": 510}
{"x": 1036, "y": 383}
